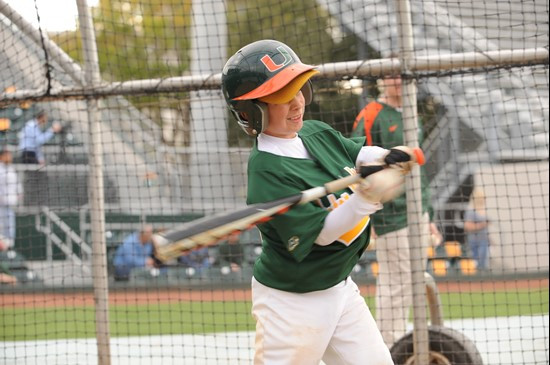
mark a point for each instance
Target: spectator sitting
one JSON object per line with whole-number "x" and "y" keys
{"x": 231, "y": 253}
{"x": 33, "y": 137}
{"x": 196, "y": 259}
{"x": 136, "y": 251}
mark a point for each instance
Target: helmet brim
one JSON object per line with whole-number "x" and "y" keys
{"x": 287, "y": 93}
{"x": 279, "y": 81}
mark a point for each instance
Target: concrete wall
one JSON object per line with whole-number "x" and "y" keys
{"x": 517, "y": 203}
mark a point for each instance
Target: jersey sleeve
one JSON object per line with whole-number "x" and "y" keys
{"x": 352, "y": 146}
{"x": 293, "y": 233}
{"x": 358, "y": 139}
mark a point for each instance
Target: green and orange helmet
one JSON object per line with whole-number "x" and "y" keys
{"x": 262, "y": 72}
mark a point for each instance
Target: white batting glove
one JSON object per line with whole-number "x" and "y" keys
{"x": 381, "y": 186}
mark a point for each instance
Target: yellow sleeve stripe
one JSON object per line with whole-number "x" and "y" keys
{"x": 351, "y": 235}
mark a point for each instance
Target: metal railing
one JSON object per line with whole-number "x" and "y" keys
{"x": 66, "y": 246}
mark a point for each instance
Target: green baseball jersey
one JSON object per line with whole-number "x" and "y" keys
{"x": 290, "y": 260}
{"x": 382, "y": 125}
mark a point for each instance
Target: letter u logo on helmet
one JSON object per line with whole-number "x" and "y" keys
{"x": 270, "y": 63}
{"x": 261, "y": 72}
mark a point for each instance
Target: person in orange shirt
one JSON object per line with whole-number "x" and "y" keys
{"x": 382, "y": 124}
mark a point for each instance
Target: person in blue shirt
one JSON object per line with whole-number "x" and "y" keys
{"x": 33, "y": 136}
{"x": 136, "y": 251}
{"x": 476, "y": 227}
{"x": 198, "y": 259}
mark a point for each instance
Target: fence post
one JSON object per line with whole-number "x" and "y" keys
{"x": 95, "y": 192}
{"x": 414, "y": 194}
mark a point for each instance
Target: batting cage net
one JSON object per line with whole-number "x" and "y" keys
{"x": 114, "y": 129}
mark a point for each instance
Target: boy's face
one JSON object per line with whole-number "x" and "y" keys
{"x": 285, "y": 120}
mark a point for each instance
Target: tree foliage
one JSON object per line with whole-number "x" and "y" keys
{"x": 139, "y": 39}
{"x": 303, "y": 25}
{"x": 143, "y": 39}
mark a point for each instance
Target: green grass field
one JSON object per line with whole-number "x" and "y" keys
{"x": 24, "y": 324}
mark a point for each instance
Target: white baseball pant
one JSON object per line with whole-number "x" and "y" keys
{"x": 333, "y": 325}
{"x": 394, "y": 283}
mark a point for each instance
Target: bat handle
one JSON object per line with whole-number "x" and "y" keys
{"x": 344, "y": 182}
{"x": 330, "y": 187}
{"x": 341, "y": 183}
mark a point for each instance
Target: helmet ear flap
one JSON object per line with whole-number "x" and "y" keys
{"x": 252, "y": 116}
{"x": 307, "y": 91}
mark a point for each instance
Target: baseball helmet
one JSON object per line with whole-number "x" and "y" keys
{"x": 265, "y": 71}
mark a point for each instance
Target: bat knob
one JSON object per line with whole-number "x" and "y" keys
{"x": 419, "y": 156}
{"x": 160, "y": 244}
{"x": 159, "y": 240}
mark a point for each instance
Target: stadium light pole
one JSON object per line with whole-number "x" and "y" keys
{"x": 95, "y": 192}
{"x": 414, "y": 195}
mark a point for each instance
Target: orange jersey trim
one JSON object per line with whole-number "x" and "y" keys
{"x": 368, "y": 114}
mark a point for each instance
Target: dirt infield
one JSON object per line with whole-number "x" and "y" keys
{"x": 155, "y": 296}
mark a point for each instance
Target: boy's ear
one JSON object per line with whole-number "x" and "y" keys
{"x": 244, "y": 115}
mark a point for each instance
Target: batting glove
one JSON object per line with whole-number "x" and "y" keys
{"x": 403, "y": 158}
{"x": 381, "y": 186}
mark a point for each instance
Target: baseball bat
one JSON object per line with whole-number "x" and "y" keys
{"x": 209, "y": 230}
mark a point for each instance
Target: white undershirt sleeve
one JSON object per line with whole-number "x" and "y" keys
{"x": 344, "y": 218}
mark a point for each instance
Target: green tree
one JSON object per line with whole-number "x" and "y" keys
{"x": 139, "y": 39}
{"x": 303, "y": 25}
{"x": 143, "y": 39}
